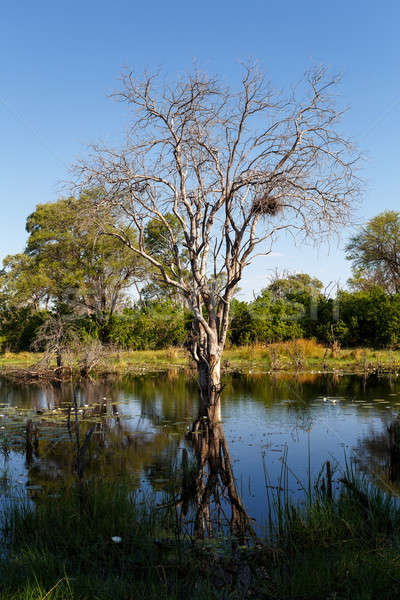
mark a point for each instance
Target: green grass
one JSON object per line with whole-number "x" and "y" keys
{"x": 19, "y": 359}
{"x": 347, "y": 547}
{"x": 63, "y": 549}
{"x": 296, "y": 355}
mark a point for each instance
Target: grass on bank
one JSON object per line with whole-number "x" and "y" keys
{"x": 295, "y": 355}
{"x": 102, "y": 545}
{"x": 347, "y": 547}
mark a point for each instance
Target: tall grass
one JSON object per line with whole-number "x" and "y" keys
{"x": 343, "y": 546}
{"x": 63, "y": 548}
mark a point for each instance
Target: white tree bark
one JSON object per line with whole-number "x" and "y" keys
{"x": 233, "y": 168}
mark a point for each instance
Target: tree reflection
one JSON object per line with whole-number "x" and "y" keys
{"x": 394, "y": 451}
{"x": 379, "y": 454}
{"x": 210, "y": 485}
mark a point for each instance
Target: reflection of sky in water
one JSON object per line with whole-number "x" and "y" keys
{"x": 145, "y": 420}
{"x": 258, "y": 438}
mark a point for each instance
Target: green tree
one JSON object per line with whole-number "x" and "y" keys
{"x": 19, "y": 327}
{"x": 158, "y": 324}
{"x": 370, "y": 318}
{"x": 24, "y": 282}
{"x": 164, "y": 242}
{"x": 375, "y": 253}
{"x": 67, "y": 264}
{"x": 296, "y": 285}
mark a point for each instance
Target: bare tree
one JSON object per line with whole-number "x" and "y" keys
{"x": 214, "y": 482}
{"x": 234, "y": 168}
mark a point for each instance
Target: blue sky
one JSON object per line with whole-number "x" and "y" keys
{"x": 59, "y": 60}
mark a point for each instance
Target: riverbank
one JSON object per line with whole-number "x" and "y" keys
{"x": 293, "y": 356}
{"x": 98, "y": 541}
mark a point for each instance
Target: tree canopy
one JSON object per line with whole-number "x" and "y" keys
{"x": 375, "y": 253}
{"x": 66, "y": 262}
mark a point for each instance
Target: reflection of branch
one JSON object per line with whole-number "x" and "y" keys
{"x": 379, "y": 455}
{"x": 31, "y": 445}
{"x": 213, "y": 484}
{"x": 81, "y": 450}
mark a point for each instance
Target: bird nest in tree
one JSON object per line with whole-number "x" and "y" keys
{"x": 267, "y": 205}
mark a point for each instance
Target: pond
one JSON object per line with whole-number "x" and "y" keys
{"x": 277, "y": 431}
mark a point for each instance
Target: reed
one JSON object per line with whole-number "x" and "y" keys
{"x": 114, "y": 545}
{"x": 341, "y": 541}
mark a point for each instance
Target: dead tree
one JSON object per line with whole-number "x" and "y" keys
{"x": 209, "y": 485}
{"x": 233, "y": 169}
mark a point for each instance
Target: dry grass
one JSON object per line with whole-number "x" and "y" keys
{"x": 309, "y": 348}
{"x": 294, "y": 355}
{"x": 278, "y": 355}
{"x": 20, "y": 358}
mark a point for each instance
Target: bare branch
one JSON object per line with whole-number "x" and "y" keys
{"x": 234, "y": 168}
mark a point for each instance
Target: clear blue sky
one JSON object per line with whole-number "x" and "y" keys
{"x": 60, "y": 59}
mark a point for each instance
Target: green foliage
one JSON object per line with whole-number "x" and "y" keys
{"x": 375, "y": 252}
{"x": 296, "y": 286}
{"x": 19, "y": 326}
{"x": 372, "y": 318}
{"x": 295, "y": 307}
{"x": 281, "y": 312}
{"x": 163, "y": 241}
{"x": 155, "y": 325}
{"x": 289, "y": 308}
{"x": 160, "y": 237}
{"x": 66, "y": 262}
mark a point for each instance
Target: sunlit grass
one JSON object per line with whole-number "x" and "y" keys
{"x": 294, "y": 355}
{"x": 19, "y": 358}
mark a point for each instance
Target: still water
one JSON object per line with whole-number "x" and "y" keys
{"x": 139, "y": 430}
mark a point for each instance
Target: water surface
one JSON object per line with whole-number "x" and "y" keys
{"x": 270, "y": 425}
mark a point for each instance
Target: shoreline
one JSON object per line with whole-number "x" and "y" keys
{"x": 299, "y": 356}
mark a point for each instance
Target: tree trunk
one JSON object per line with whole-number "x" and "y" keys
{"x": 209, "y": 372}
{"x": 209, "y": 378}
{"x": 206, "y": 351}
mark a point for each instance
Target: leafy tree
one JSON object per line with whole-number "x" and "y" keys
{"x": 67, "y": 264}
{"x": 160, "y": 243}
{"x": 155, "y": 325}
{"x": 372, "y": 318}
{"x": 164, "y": 248}
{"x": 375, "y": 252}
{"x": 19, "y": 327}
{"x": 242, "y": 328}
{"x": 304, "y": 293}
{"x": 24, "y": 282}
{"x": 296, "y": 285}
{"x": 276, "y": 318}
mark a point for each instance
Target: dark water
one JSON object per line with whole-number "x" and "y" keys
{"x": 270, "y": 425}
